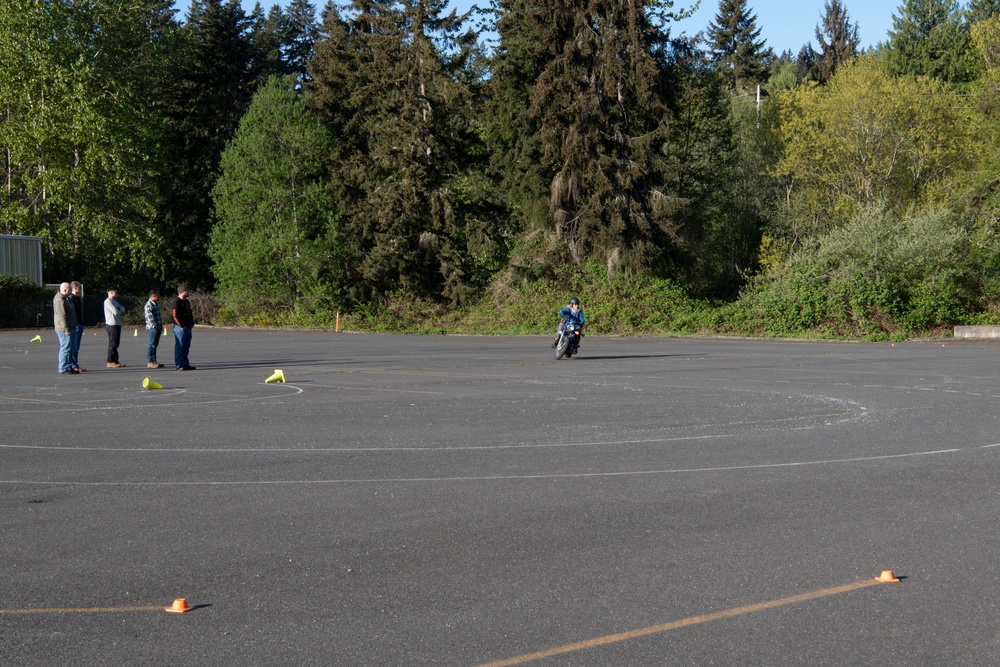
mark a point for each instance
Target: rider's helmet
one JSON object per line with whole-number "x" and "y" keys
{"x": 574, "y": 301}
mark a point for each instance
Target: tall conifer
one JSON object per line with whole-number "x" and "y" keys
{"x": 929, "y": 38}
{"x": 838, "y": 40}
{"x": 216, "y": 73}
{"x": 389, "y": 81}
{"x": 735, "y": 45}
{"x": 580, "y": 118}
{"x": 980, "y": 10}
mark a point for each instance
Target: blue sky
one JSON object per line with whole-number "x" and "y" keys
{"x": 788, "y": 25}
{"x": 784, "y": 24}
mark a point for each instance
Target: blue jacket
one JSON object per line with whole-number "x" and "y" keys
{"x": 576, "y": 318}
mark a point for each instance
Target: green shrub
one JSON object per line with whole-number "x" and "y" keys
{"x": 874, "y": 278}
{"x": 23, "y": 304}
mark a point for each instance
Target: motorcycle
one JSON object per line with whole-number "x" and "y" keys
{"x": 567, "y": 341}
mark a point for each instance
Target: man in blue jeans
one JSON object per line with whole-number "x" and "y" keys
{"x": 180, "y": 308}
{"x": 154, "y": 327}
{"x": 65, "y": 324}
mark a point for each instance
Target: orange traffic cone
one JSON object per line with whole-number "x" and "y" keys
{"x": 887, "y": 577}
{"x": 179, "y": 606}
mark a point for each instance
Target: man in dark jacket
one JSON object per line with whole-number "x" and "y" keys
{"x": 76, "y": 298}
{"x": 180, "y": 309}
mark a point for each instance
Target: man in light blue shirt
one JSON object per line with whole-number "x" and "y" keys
{"x": 113, "y": 323}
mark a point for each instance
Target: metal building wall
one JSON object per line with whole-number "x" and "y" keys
{"x": 21, "y": 256}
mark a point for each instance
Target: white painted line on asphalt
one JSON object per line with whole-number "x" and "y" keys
{"x": 347, "y": 450}
{"x": 410, "y": 480}
{"x": 160, "y": 393}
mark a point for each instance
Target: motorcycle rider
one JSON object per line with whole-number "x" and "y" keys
{"x": 572, "y": 313}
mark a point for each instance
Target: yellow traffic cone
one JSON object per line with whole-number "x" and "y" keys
{"x": 151, "y": 384}
{"x": 277, "y": 377}
{"x": 36, "y": 339}
{"x": 136, "y": 333}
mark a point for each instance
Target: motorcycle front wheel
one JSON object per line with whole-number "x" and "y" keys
{"x": 562, "y": 346}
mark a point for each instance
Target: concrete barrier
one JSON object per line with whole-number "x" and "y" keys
{"x": 977, "y": 331}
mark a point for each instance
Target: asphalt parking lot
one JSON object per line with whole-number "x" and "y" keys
{"x": 463, "y": 500}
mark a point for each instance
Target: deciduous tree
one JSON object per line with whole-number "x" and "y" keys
{"x": 869, "y": 140}
{"x": 274, "y": 244}
{"x": 78, "y": 134}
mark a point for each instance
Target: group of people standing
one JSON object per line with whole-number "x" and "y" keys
{"x": 67, "y": 308}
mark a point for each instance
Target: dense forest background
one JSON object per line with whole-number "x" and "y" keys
{"x": 376, "y": 158}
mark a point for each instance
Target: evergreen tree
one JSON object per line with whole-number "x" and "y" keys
{"x": 580, "y": 120}
{"x": 980, "y": 10}
{"x": 267, "y": 34}
{"x": 805, "y": 63}
{"x": 531, "y": 37}
{"x": 217, "y": 70}
{"x": 929, "y": 38}
{"x": 300, "y": 35}
{"x": 283, "y": 39}
{"x": 274, "y": 243}
{"x": 390, "y": 82}
{"x": 784, "y": 73}
{"x": 701, "y": 148}
{"x": 724, "y": 147}
{"x": 735, "y": 47}
{"x": 838, "y": 40}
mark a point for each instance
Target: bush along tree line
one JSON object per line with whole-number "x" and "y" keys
{"x": 388, "y": 160}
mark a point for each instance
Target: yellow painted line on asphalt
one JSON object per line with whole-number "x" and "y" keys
{"x": 682, "y": 623}
{"x": 80, "y": 610}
